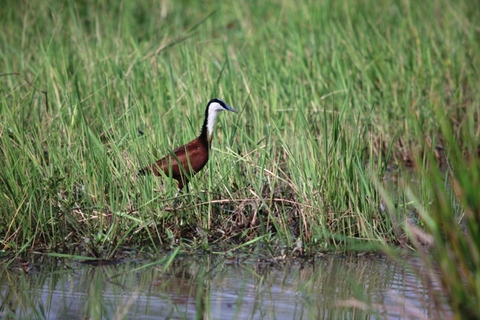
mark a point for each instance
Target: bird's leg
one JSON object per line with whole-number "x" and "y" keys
{"x": 177, "y": 201}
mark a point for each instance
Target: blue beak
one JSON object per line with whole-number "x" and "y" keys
{"x": 230, "y": 108}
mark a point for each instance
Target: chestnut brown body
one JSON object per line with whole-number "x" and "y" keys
{"x": 185, "y": 161}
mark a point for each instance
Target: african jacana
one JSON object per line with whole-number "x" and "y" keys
{"x": 185, "y": 161}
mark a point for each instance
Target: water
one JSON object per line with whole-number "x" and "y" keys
{"x": 214, "y": 288}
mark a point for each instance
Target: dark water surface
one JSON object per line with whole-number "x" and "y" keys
{"x": 212, "y": 288}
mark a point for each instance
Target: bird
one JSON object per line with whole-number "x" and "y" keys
{"x": 185, "y": 161}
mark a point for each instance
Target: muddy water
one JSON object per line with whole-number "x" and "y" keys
{"x": 212, "y": 288}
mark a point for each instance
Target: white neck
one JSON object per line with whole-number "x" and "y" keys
{"x": 212, "y": 116}
{"x": 213, "y": 111}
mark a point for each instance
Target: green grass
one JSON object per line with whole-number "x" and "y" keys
{"x": 446, "y": 232}
{"x": 329, "y": 94}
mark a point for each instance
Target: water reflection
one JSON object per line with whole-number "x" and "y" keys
{"x": 211, "y": 287}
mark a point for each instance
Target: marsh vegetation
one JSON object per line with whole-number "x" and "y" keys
{"x": 333, "y": 97}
